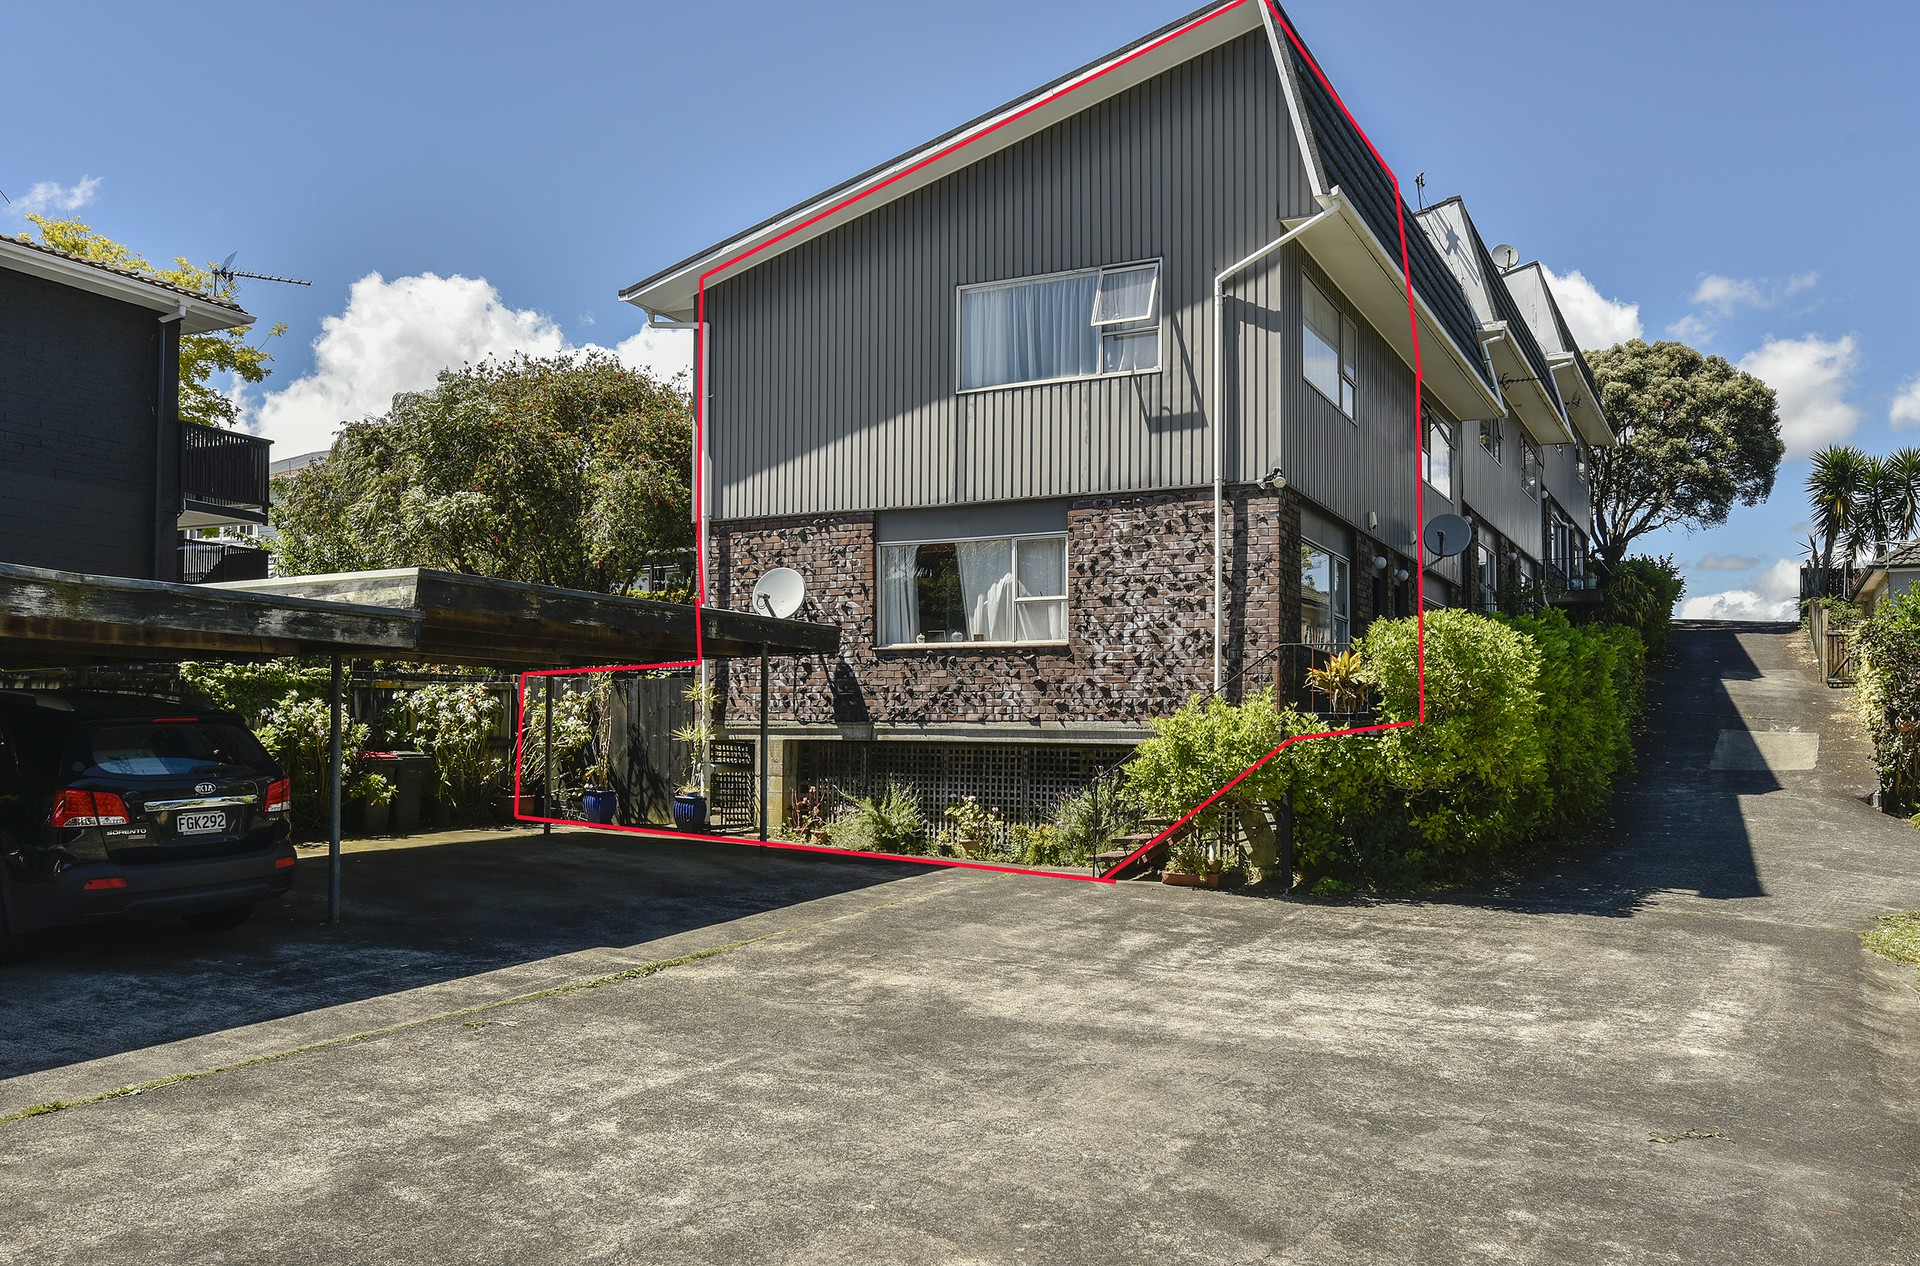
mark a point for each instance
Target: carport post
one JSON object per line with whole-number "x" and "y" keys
{"x": 765, "y": 778}
{"x": 333, "y": 807}
{"x": 546, "y": 765}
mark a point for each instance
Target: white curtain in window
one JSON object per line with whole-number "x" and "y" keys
{"x": 1041, "y": 613}
{"x": 986, "y": 587}
{"x": 1028, "y": 332}
{"x": 899, "y": 595}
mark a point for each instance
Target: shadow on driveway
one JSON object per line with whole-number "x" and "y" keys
{"x": 417, "y": 912}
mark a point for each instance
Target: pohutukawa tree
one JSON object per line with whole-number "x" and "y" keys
{"x": 1697, "y": 437}
{"x": 566, "y": 470}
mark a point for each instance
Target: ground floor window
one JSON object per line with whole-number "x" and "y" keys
{"x": 1008, "y": 589}
{"x": 1325, "y": 597}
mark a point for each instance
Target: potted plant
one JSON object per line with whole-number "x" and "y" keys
{"x": 809, "y": 819}
{"x": 972, "y": 825}
{"x": 1189, "y": 865}
{"x": 601, "y": 802}
{"x": 690, "y": 803}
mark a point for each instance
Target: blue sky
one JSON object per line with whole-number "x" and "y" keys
{"x": 1736, "y": 173}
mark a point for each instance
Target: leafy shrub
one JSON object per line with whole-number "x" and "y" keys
{"x": 891, "y": 823}
{"x": 454, "y": 723}
{"x": 1090, "y": 820}
{"x": 1527, "y": 727}
{"x": 1888, "y": 686}
{"x": 1640, "y": 594}
{"x": 287, "y": 703}
{"x": 1045, "y": 844}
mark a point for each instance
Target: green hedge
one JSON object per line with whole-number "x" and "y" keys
{"x": 1888, "y": 674}
{"x": 1527, "y": 728}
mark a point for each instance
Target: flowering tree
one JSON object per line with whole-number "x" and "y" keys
{"x": 565, "y": 470}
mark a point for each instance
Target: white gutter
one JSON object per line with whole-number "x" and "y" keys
{"x": 1220, "y": 434}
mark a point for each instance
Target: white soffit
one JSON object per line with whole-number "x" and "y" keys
{"x": 1358, "y": 263}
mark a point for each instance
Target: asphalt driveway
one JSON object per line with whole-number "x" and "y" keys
{"x": 1673, "y": 1050}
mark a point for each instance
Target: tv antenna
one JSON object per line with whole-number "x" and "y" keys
{"x": 228, "y": 274}
{"x": 1420, "y": 183}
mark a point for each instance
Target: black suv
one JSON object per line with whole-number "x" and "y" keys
{"x": 123, "y": 807}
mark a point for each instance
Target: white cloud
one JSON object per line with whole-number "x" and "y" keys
{"x": 1720, "y": 298}
{"x": 1906, "y": 405}
{"x": 50, "y": 197}
{"x": 1728, "y": 562}
{"x": 1773, "y": 595}
{"x": 1596, "y": 321}
{"x": 1811, "y": 376}
{"x": 398, "y": 335}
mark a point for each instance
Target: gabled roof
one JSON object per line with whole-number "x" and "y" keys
{"x": 1528, "y": 285}
{"x": 1526, "y": 379}
{"x": 202, "y": 313}
{"x": 673, "y": 291}
{"x": 1904, "y": 555}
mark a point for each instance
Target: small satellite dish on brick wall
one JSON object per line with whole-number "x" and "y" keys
{"x": 780, "y": 593}
{"x": 1447, "y": 535}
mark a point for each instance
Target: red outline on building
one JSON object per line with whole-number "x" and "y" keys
{"x": 699, "y": 492}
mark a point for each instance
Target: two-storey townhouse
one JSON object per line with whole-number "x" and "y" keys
{"x": 98, "y": 473}
{"x": 1101, "y": 401}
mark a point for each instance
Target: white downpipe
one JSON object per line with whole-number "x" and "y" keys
{"x": 1220, "y": 435}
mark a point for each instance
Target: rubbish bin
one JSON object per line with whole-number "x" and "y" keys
{"x": 406, "y": 773}
{"x": 409, "y": 780}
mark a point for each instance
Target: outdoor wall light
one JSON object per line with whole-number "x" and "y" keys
{"x": 1379, "y": 562}
{"x": 1274, "y": 481}
{"x": 1401, "y": 574}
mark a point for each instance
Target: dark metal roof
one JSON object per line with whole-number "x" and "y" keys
{"x": 1906, "y": 555}
{"x": 1345, "y": 159}
{"x": 130, "y": 273}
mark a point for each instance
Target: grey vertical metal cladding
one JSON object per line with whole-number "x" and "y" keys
{"x": 834, "y": 365}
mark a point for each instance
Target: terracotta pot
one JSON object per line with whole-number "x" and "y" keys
{"x": 1180, "y": 879}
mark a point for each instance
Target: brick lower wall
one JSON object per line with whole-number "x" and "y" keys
{"x": 1140, "y": 634}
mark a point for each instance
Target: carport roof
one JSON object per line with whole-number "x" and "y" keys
{"x": 61, "y": 618}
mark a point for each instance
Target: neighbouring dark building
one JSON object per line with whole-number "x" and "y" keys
{"x": 98, "y": 474}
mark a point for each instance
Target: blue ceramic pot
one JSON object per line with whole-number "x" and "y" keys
{"x": 601, "y": 806}
{"x": 690, "y": 811}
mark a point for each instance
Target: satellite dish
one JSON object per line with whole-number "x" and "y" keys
{"x": 1447, "y": 535}
{"x": 780, "y": 593}
{"x": 1505, "y": 256}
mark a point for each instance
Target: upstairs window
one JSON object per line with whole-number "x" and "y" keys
{"x": 1070, "y": 325}
{"x": 1001, "y": 590}
{"x": 1493, "y": 438}
{"x": 1436, "y": 463}
{"x": 1530, "y": 467}
{"x": 1329, "y": 347}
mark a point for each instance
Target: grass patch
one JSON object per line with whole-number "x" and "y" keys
{"x": 1895, "y": 936}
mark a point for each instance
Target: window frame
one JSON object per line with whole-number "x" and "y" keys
{"x": 1532, "y": 463}
{"x": 1435, "y": 422}
{"x": 1497, "y": 447}
{"x": 1338, "y": 618}
{"x": 1348, "y": 365}
{"x": 1155, "y": 325}
{"x": 1065, "y": 597}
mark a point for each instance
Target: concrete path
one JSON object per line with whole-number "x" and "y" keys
{"x": 1674, "y": 1050}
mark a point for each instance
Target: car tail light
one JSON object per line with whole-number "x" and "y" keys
{"x": 280, "y": 795}
{"x": 285, "y": 863}
{"x": 102, "y": 885}
{"x": 89, "y": 808}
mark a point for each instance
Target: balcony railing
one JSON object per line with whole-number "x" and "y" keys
{"x": 225, "y": 468}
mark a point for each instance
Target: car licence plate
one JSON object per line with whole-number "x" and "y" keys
{"x": 200, "y": 823}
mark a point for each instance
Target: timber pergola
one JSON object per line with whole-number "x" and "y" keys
{"x": 63, "y": 619}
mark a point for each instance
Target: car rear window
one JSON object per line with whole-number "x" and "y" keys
{"x": 165, "y": 749}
